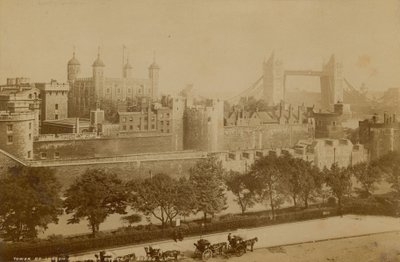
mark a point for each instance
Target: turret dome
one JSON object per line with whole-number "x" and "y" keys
{"x": 73, "y": 61}
{"x": 154, "y": 66}
{"x": 98, "y": 62}
{"x": 127, "y": 65}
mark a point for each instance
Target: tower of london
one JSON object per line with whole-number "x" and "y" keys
{"x": 123, "y": 92}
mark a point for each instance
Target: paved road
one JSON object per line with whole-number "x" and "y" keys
{"x": 284, "y": 234}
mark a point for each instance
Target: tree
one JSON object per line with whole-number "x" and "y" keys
{"x": 338, "y": 179}
{"x": 161, "y": 196}
{"x": 29, "y": 201}
{"x": 311, "y": 182}
{"x": 243, "y": 187}
{"x": 265, "y": 171}
{"x": 94, "y": 196}
{"x": 206, "y": 178}
{"x": 390, "y": 165}
{"x": 291, "y": 174}
{"x": 368, "y": 175}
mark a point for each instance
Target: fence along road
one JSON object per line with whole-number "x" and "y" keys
{"x": 275, "y": 235}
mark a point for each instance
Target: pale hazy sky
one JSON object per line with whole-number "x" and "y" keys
{"x": 216, "y": 45}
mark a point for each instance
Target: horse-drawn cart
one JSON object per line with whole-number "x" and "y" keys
{"x": 154, "y": 253}
{"x": 205, "y": 250}
{"x": 237, "y": 245}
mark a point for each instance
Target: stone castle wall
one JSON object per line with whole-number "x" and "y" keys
{"x": 265, "y": 136}
{"x": 176, "y": 165}
{"x": 383, "y": 140}
{"x": 103, "y": 146}
{"x": 203, "y": 128}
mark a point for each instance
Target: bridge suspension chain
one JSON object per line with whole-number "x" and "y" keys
{"x": 253, "y": 87}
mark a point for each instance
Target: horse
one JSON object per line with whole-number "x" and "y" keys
{"x": 171, "y": 254}
{"x": 251, "y": 242}
{"x": 152, "y": 253}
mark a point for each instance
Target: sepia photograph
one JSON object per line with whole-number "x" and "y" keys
{"x": 200, "y": 130}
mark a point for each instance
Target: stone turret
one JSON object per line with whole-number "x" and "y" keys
{"x": 73, "y": 68}
{"x": 127, "y": 70}
{"x": 154, "y": 70}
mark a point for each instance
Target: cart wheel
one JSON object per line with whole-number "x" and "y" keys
{"x": 240, "y": 251}
{"x": 207, "y": 254}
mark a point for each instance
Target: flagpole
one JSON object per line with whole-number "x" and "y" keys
{"x": 123, "y": 59}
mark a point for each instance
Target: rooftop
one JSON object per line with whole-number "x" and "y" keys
{"x": 69, "y": 121}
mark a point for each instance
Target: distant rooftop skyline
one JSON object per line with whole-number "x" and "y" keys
{"x": 218, "y": 46}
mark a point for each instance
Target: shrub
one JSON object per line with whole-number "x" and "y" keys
{"x": 184, "y": 227}
{"x": 55, "y": 237}
{"x": 373, "y": 205}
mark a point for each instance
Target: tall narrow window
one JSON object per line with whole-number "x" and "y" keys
{"x": 56, "y": 106}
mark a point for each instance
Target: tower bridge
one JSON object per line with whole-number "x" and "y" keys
{"x": 271, "y": 86}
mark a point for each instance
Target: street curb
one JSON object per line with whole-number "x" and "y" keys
{"x": 329, "y": 239}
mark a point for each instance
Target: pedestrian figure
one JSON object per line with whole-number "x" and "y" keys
{"x": 180, "y": 235}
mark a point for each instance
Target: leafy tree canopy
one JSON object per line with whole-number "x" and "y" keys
{"x": 162, "y": 197}
{"x": 338, "y": 179}
{"x": 368, "y": 175}
{"x": 243, "y": 187}
{"x": 206, "y": 178}
{"x": 390, "y": 165}
{"x": 29, "y": 201}
{"x": 267, "y": 175}
{"x": 94, "y": 196}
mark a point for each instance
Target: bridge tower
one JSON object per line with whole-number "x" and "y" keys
{"x": 332, "y": 83}
{"x": 273, "y": 81}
